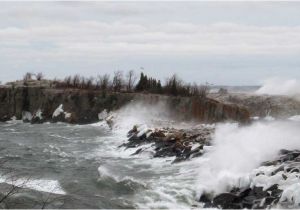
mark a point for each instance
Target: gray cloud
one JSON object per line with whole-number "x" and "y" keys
{"x": 53, "y": 36}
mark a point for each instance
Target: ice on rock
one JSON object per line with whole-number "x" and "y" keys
{"x": 143, "y": 129}
{"x": 292, "y": 195}
{"x": 58, "y": 111}
{"x": 67, "y": 115}
{"x": 266, "y": 181}
{"x": 39, "y": 113}
{"x": 103, "y": 115}
{"x": 26, "y": 116}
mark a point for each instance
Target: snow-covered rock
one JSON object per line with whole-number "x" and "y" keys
{"x": 26, "y": 116}
{"x": 103, "y": 115}
{"x": 58, "y": 111}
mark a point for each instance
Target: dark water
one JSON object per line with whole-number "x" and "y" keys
{"x": 84, "y": 165}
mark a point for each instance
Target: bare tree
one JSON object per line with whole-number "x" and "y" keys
{"x": 27, "y": 77}
{"x": 173, "y": 85}
{"x": 67, "y": 81}
{"x": 39, "y": 76}
{"x": 117, "y": 81}
{"x": 13, "y": 186}
{"x": 103, "y": 82}
{"x": 90, "y": 82}
{"x": 131, "y": 79}
{"x": 76, "y": 81}
{"x": 82, "y": 82}
{"x": 200, "y": 91}
{"x": 204, "y": 90}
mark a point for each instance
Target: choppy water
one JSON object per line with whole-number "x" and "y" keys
{"x": 85, "y": 163}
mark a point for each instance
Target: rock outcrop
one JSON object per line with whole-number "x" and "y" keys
{"x": 262, "y": 105}
{"x": 38, "y": 103}
{"x": 276, "y": 182}
{"x": 199, "y": 109}
{"x": 182, "y": 144}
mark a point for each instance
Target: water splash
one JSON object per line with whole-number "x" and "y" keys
{"x": 277, "y": 86}
{"x": 238, "y": 150}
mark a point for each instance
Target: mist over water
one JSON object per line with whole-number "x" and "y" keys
{"x": 278, "y": 86}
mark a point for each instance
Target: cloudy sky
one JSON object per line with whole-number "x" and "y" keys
{"x": 230, "y": 43}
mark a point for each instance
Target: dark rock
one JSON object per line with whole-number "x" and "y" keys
{"x": 280, "y": 168}
{"x": 137, "y": 151}
{"x": 272, "y": 188}
{"x": 227, "y": 201}
{"x": 284, "y": 176}
{"x": 258, "y": 192}
{"x": 16, "y": 98}
{"x": 245, "y": 193}
{"x": 270, "y": 163}
{"x": 169, "y": 142}
{"x": 206, "y": 200}
{"x": 284, "y": 151}
{"x": 249, "y": 201}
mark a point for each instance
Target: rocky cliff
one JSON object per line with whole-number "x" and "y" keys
{"x": 39, "y": 104}
{"x": 276, "y": 106}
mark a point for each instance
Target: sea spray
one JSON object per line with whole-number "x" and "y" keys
{"x": 237, "y": 150}
{"x": 277, "y": 86}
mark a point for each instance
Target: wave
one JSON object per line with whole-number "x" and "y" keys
{"x": 237, "y": 151}
{"x": 277, "y": 86}
{"x": 42, "y": 185}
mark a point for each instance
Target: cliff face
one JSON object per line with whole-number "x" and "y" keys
{"x": 83, "y": 106}
{"x": 203, "y": 110}
{"x": 263, "y": 105}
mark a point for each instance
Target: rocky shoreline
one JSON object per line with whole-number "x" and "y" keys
{"x": 274, "y": 183}
{"x": 37, "y": 104}
{"x": 183, "y": 144}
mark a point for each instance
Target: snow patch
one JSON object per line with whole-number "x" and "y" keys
{"x": 39, "y": 114}
{"x": 58, "y": 111}
{"x": 26, "y": 116}
{"x": 103, "y": 115}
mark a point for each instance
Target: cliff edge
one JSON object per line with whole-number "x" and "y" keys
{"x": 38, "y": 103}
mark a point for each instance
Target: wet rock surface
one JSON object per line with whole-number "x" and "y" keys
{"x": 182, "y": 144}
{"x": 85, "y": 105}
{"x": 275, "y": 183}
{"x": 262, "y": 105}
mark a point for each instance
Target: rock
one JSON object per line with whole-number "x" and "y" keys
{"x": 132, "y": 131}
{"x": 258, "y": 198}
{"x": 281, "y": 168}
{"x": 137, "y": 151}
{"x": 38, "y": 118}
{"x": 170, "y": 142}
{"x": 158, "y": 134}
{"x": 26, "y": 116}
{"x": 87, "y": 104}
{"x": 248, "y": 198}
{"x": 227, "y": 201}
{"x": 206, "y": 200}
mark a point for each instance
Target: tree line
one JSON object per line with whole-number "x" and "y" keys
{"x": 128, "y": 82}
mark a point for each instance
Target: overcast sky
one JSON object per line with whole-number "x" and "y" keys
{"x": 236, "y": 43}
